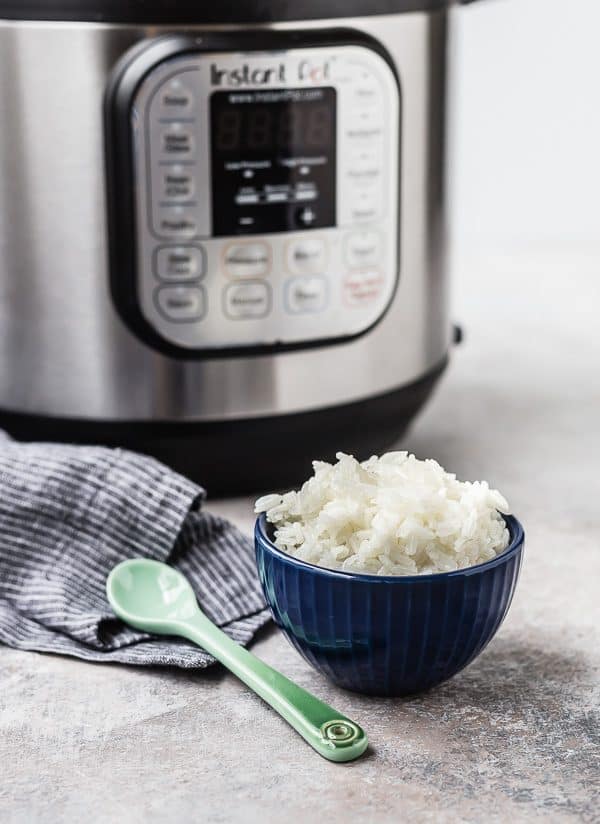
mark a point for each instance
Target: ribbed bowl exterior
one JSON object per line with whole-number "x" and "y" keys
{"x": 382, "y": 635}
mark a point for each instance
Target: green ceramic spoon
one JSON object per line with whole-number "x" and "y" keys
{"x": 156, "y": 598}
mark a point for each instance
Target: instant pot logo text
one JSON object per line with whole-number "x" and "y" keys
{"x": 252, "y": 75}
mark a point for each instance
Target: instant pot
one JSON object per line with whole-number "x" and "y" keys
{"x": 222, "y": 227}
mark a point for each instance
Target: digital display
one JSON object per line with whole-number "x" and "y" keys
{"x": 273, "y": 160}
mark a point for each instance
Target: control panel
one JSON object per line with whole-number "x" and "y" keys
{"x": 264, "y": 193}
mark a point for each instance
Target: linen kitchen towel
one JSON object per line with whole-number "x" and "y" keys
{"x": 68, "y": 514}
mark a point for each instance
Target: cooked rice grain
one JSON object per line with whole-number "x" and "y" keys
{"x": 393, "y": 515}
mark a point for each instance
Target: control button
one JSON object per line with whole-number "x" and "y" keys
{"x": 176, "y": 221}
{"x": 306, "y": 191}
{"x": 363, "y": 116}
{"x": 251, "y": 299}
{"x": 175, "y": 98}
{"x": 365, "y": 202}
{"x": 363, "y": 129}
{"x": 361, "y": 288}
{"x": 177, "y": 183}
{"x": 177, "y": 141}
{"x": 364, "y": 173}
{"x": 306, "y": 295}
{"x": 367, "y": 91}
{"x": 247, "y": 260}
{"x": 363, "y": 249}
{"x": 180, "y": 262}
{"x": 305, "y": 216}
{"x": 307, "y": 255}
{"x": 247, "y": 198}
{"x": 181, "y": 304}
{"x": 365, "y": 157}
{"x": 276, "y": 197}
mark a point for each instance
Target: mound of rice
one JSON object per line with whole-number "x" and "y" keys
{"x": 393, "y": 515}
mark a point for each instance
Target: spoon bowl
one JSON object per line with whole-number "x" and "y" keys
{"x": 150, "y": 595}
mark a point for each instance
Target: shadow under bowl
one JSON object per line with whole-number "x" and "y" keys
{"x": 384, "y": 635}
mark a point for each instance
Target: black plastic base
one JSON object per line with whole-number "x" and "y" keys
{"x": 252, "y": 455}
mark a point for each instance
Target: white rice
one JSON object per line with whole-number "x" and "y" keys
{"x": 393, "y": 515}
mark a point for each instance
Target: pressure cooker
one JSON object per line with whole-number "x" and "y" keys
{"x": 222, "y": 229}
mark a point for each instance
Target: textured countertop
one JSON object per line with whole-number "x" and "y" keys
{"x": 514, "y": 737}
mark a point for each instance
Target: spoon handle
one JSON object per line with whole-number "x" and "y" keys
{"x": 329, "y": 732}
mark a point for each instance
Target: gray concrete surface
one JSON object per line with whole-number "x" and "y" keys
{"x": 515, "y": 737}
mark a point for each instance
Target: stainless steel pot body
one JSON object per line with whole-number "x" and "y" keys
{"x": 64, "y": 350}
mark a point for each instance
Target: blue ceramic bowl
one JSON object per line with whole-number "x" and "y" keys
{"x": 386, "y": 635}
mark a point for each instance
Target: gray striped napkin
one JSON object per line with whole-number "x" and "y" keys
{"x": 68, "y": 514}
